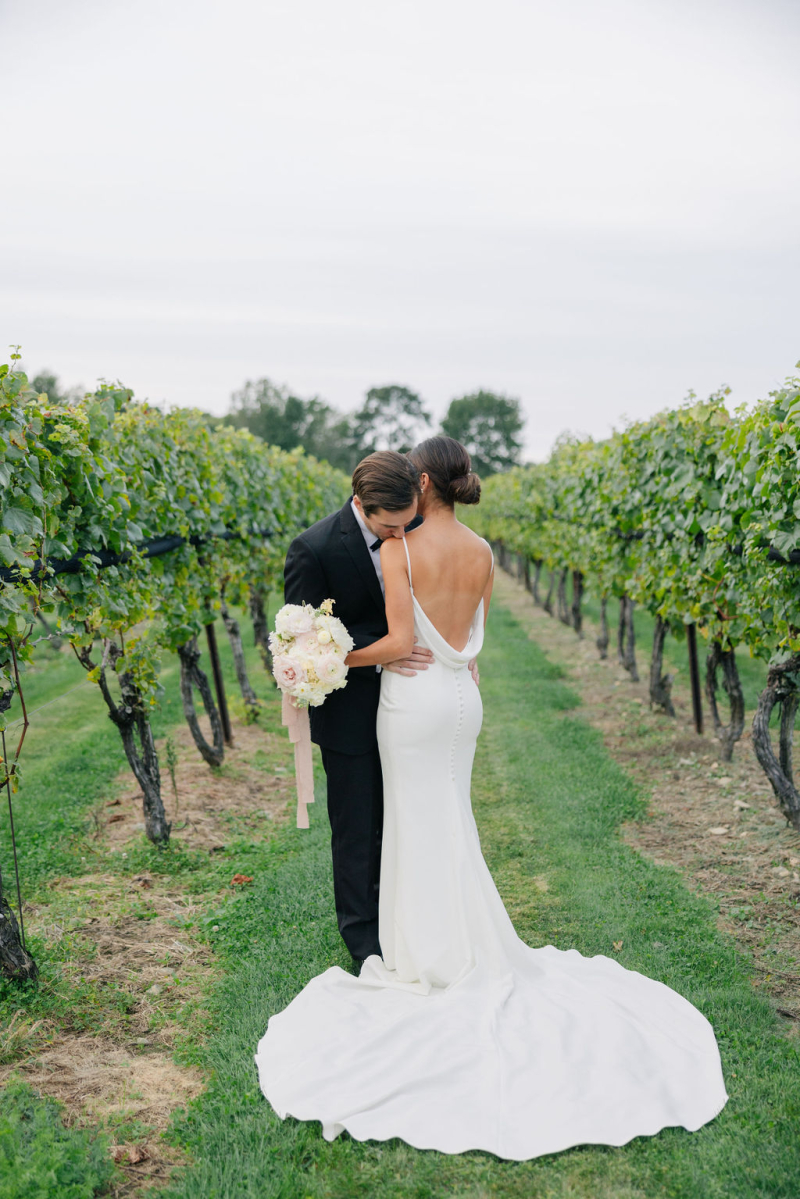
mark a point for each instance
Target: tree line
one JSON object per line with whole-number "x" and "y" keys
{"x": 391, "y": 417}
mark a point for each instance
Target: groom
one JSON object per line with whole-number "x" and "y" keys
{"x": 339, "y": 558}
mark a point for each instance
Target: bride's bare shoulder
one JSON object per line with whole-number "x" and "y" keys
{"x": 391, "y": 548}
{"x": 478, "y": 544}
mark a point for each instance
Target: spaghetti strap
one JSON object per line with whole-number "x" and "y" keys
{"x": 408, "y": 561}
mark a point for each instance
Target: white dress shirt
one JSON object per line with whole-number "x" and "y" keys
{"x": 375, "y": 554}
{"x": 370, "y": 540}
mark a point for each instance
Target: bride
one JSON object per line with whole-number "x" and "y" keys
{"x": 462, "y": 1036}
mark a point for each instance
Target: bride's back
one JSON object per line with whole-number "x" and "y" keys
{"x": 450, "y": 569}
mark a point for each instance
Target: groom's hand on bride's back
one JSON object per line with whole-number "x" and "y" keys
{"x": 419, "y": 659}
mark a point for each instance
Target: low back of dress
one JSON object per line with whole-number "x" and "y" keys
{"x": 429, "y": 636}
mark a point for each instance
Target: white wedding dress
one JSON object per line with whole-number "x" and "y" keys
{"x": 463, "y": 1037}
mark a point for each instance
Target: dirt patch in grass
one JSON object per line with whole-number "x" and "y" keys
{"x": 101, "y": 1083}
{"x": 127, "y": 936}
{"x": 246, "y": 794}
{"x": 129, "y": 973}
{"x": 718, "y": 822}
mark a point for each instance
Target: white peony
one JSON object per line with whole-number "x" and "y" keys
{"x": 342, "y": 637}
{"x": 336, "y": 632}
{"x": 294, "y": 619}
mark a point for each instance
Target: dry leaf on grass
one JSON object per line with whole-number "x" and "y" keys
{"x": 132, "y": 1154}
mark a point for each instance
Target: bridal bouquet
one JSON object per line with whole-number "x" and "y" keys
{"x": 309, "y": 646}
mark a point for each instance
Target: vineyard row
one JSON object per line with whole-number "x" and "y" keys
{"x": 695, "y": 516}
{"x": 186, "y": 520}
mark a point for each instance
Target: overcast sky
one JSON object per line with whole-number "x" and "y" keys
{"x": 593, "y": 207}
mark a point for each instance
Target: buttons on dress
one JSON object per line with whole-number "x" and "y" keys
{"x": 459, "y": 722}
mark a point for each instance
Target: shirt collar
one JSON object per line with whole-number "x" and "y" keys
{"x": 368, "y": 534}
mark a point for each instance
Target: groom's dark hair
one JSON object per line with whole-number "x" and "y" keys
{"x": 386, "y": 480}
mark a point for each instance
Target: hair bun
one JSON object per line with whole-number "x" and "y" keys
{"x": 465, "y": 489}
{"x": 447, "y": 464}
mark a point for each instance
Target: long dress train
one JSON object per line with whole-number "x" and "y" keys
{"x": 463, "y": 1037}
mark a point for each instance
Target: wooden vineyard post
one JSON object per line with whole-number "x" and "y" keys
{"x": 694, "y": 674}
{"x": 577, "y": 596}
{"x": 219, "y": 685}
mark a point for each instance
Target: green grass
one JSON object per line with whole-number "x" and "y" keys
{"x": 40, "y": 1158}
{"x": 549, "y": 802}
{"x": 73, "y": 760}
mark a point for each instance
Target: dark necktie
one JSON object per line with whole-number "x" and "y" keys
{"x": 376, "y": 545}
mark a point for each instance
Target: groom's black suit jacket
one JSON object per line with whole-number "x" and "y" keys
{"x": 331, "y": 561}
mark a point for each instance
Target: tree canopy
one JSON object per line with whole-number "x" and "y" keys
{"x": 285, "y": 420}
{"x": 489, "y": 425}
{"x": 391, "y": 418}
{"x": 48, "y": 383}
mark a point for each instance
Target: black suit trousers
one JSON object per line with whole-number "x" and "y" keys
{"x": 355, "y": 810}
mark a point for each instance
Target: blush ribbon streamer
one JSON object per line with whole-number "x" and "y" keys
{"x": 296, "y": 721}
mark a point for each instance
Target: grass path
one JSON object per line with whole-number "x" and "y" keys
{"x": 87, "y": 1032}
{"x": 549, "y": 801}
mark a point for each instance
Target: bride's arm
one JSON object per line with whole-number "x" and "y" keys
{"x": 399, "y": 641}
{"x": 487, "y": 595}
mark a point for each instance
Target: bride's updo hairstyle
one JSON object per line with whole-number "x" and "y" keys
{"x": 447, "y": 464}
